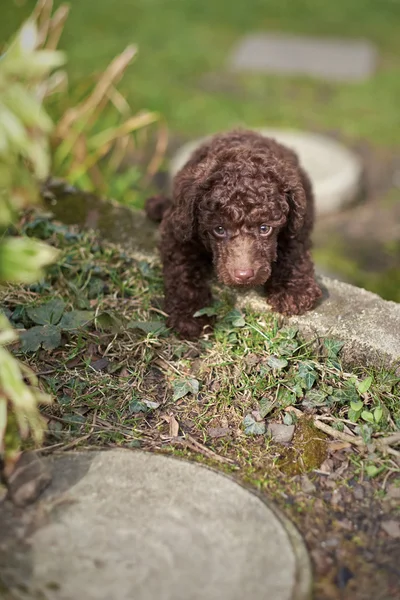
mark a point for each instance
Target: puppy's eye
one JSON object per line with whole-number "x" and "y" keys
{"x": 265, "y": 230}
{"x": 219, "y": 231}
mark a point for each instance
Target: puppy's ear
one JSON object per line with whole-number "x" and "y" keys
{"x": 190, "y": 184}
{"x": 300, "y": 198}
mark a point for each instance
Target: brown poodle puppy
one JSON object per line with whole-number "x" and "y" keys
{"x": 243, "y": 207}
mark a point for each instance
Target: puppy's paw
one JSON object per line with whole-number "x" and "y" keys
{"x": 189, "y": 328}
{"x": 295, "y": 301}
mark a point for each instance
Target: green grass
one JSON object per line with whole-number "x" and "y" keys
{"x": 181, "y": 41}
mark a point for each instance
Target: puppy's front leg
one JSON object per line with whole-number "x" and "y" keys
{"x": 186, "y": 269}
{"x": 292, "y": 289}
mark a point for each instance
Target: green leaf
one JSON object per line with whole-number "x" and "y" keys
{"x": 364, "y": 385}
{"x": 354, "y": 415}
{"x": 367, "y": 416}
{"x": 136, "y": 406}
{"x": 108, "y": 321}
{"x": 314, "y": 398}
{"x": 346, "y": 395}
{"x": 209, "y": 311}
{"x": 48, "y": 313}
{"x": 372, "y": 470}
{"x": 277, "y": 363}
{"x": 357, "y": 405}
{"x": 307, "y": 374}
{"x": 288, "y": 419}
{"x": 235, "y": 318}
{"x": 185, "y": 386}
{"x": 286, "y": 397}
{"x": 378, "y": 413}
{"x": 75, "y": 319}
{"x": 155, "y": 327}
{"x": 265, "y": 406}
{"x": 46, "y": 336}
{"x": 333, "y": 347}
{"x": 252, "y": 427}
{"x": 310, "y": 379}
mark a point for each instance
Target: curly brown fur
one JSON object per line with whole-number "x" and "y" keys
{"x": 243, "y": 207}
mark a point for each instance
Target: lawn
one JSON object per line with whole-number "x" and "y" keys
{"x": 181, "y": 66}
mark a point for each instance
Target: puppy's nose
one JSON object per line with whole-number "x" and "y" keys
{"x": 243, "y": 275}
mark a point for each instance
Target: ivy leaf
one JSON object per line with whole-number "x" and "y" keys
{"x": 286, "y": 397}
{"x": 184, "y": 387}
{"x": 307, "y": 375}
{"x": 209, "y": 311}
{"x": 345, "y": 395}
{"x": 108, "y": 321}
{"x": 252, "y": 427}
{"x": 75, "y": 319}
{"x": 236, "y": 318}
{"x": 265, "y": 406}
{"x": 46, "y": 336}
{"x": 364, "y": 385}
{"x": 48, "y": 313}
{"x": 314, "y": 398}
{"x": 333, "y": 347}
{"x": 136, "y": 406}
{"x": 277, "y": 363}
{"x": 154, "y": 327}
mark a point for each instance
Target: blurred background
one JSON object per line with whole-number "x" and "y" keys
{"x": 184, "y": 70}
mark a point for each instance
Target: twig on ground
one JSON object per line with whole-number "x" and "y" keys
{"x": 345, "y": 437}
{"x": 188, "y": 442}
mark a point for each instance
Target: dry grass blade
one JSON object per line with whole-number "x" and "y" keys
{"x": 193, "y": 444}
{"x": 57, "y": 26}
{"x": 159, "y": 153}
{"x": 94, "y": 104}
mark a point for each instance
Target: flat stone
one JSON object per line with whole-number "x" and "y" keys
{"x": 330, "y": 59}
{"x": 368, "y": 325}
{"x": 335, "y": 171}
{"x": 123, "y": 525}
{"x": 280, "y": 433}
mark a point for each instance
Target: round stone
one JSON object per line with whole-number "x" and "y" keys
{"x": 335, "y": 171}
{"x": 126, "y": 525}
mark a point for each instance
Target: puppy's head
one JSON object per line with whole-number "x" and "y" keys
{"x": 241, "y": 229}
{"x": 241, "y": 203}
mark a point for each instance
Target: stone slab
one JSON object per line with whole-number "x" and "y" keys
{"x": 126, "y": 525}
{"x": 330, "y": 59}
{"x": 368, "y": 325}
{"x": 335, "y": 171}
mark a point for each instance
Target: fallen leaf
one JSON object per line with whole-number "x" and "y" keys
{"x": 173, "y": 426}
{"x": 101, "y": 364}
{"x": 218, "y": 432}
